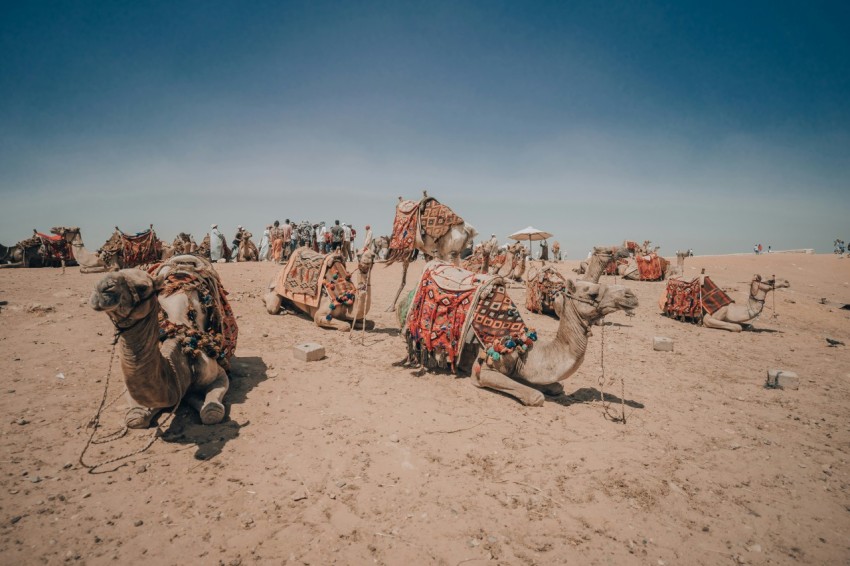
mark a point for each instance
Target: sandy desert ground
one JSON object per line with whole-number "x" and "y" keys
{"x": 350, "y": 460}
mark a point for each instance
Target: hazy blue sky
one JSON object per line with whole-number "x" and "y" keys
{"x": 711, "y": 125}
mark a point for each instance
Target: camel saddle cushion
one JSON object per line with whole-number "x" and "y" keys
{"x": 307, "y": 273}
{"x": 54, "y": 247}
{"x": 427, "y": 216}
{"x": 189, "y": 273}
{"x": 543, "y": 288}
{"x": 651, "y": 266}
{"x": 451, "y": 302}
{"x": 689, "y": 299}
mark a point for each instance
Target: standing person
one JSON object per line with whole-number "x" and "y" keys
{"x": 237, "y": 239}
{"x": 544, "y": 251}
{"x": 351, "y": 246}
{"x": 759, "y": 248}
{"x": 556, "y": 251}
{"x": 293, "y": 236}
{"x": 756, "y": 249}
{"x": 277, "y": 241}
{"x": 337, "y": 234}
{"x": 367, "y": 238}
{"x": 768, "y": 248}
{"x": 217, "y": 246}
{"x": 285, "y": 238}
{"x": 346, "y": 242}
{"x": 323, "y": 238}
{"x": 264, "y": 244}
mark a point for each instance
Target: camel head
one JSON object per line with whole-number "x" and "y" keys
{"x": 124, "y": 295}
{"x": 366, "y": 261}
{"x": 592, "y": 301}
{"x": 764, "y": 285}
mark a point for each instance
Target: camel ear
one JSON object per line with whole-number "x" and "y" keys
{"x": 570, "y": 286}
{"x": 757, "y": 277}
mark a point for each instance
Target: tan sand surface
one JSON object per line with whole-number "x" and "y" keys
{"x": 350, "y": 460}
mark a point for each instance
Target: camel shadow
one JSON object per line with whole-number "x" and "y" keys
{"x": 186, "y": 428}
{"x": 591, "y": 395}
{"x": 763, "y": 330}
{"x": 388, "y": 331}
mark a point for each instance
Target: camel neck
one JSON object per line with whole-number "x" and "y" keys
{"x": 572, "y": 331}
{"x": 155, "y": 376}
{"x": 595, "y": 268}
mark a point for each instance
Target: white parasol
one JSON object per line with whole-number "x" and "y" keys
{"x": 531, "y": 234}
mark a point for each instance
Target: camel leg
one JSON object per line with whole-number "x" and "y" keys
{"x": 210, "y": 407}
{"x": 492, "y": 379}
{"x": 400, "y": 287}
{"x": 321, "y": 321}
{"x": 138, "y": 416}
{"x": 711, "y": 322}
{"x": 273, "y": 302}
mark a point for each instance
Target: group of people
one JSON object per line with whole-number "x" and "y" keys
{"x": 757, "y": 249}
{"x": 280, "y": 240}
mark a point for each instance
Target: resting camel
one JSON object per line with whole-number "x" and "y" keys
{"x": 170, "y": 337}
{"x": 446, "y": 246}
{"x": 380, "y": 246}
{"x": 183, "y": 244}
{"x": 327, "y": 314}
{"x": 602, "y": 257}
{"x": 247, "y": 250}
{"x": 733, "y": 317}
{"x": 526, "y": 376}
{"x": 32, "y": 252}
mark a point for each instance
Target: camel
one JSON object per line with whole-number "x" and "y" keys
{"x": 89, "y": 262}
{"x": 380, "y": 247}
{"x": 600, "y": 262}
{"x": 440, "y": 241}
{"x": 183, "y": 244}
{"x": 655, "y": 267}
{"x": 41, "y": 250}
{"x": 176, "y": 335}
{"x": 515, "y": 264}
{"x": 679, "y": 269}
{"x": 247, "y": 250}
{"x": 733, "y": 317}
{"x": 515, "y": 365}
{"x": 338, "y": 312}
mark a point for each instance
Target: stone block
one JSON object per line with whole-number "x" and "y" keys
{"x": 782, "y": 379}
{"x": 662, "y": 344}
{"x": 308, "y": 352}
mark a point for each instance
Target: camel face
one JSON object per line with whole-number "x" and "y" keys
{"x": 614, "y": 298}
{"x": 593, "y": 301}
{"x": 120, "y": 293}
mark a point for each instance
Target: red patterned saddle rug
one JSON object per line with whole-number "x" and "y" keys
{"x": 218, "y": 340}
{"x": 54, "y": 247}
{"x": 689, "y": 299}
{"x": 141, "y": 249}
{"x": 427, "y": 217}
{"x": 449, "y": 302}
{"x": 307, "y": 273}
{"x": 543, "y": 288}
{"x": 651, "y": 267}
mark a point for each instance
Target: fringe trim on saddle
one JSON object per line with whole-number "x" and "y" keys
{"x": 448, "y": 304}
{"x": 218, "y": 340}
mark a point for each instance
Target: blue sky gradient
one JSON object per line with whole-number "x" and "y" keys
{"x": 703, "y": 125}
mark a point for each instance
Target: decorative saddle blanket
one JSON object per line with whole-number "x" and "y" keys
{"x": 307, "y": 273}
{"x": 191, "y": 273}
{"x": 690, "y": 298}
{"x": 543, "y": 288}
{"x": 427, "y": 216}
{"x": 651, "y": 266}
{"x": 449, "y": 302}
{"x": 54, "y": 247}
